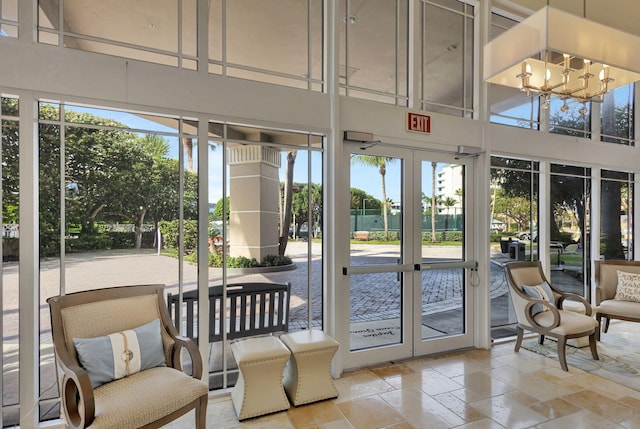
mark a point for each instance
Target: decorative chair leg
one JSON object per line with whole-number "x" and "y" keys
{"x": 593, "y": 346}
{"x": 599, "y": 320}
{"x": 606, "y": 324}
{"x": 519, "y": 333}
{"x": 201, "y": 413}
{"x": 562, "y": 356}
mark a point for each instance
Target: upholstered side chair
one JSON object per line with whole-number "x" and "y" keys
{"x": 538, "y": 307}
{"x": 610, "y": 303}
{"x": 142, "y": 384}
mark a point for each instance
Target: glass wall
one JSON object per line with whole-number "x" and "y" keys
{"x": 373, "y": 60}
{"x": 447, "y": 57}
{"x": 617, "y": 113}
{"x": 514, "y": 231}
{"x": 570, "y": 205}
{"x": 569, "y": 117}
{"x": 9, "y": 285}
{"x": 273, "y": 41}
{"x": 265, "y": 224}
{"x": 9, "y": 18}
{"x": 118, "y": 206}
{"x": 616, "y": 215}
{"x": 158, "y": 31}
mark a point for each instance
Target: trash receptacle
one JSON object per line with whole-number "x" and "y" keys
{"x": 516, "y": 251}
{"x": 504, "y": 246}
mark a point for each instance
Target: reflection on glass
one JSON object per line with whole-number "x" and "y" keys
{"x": 570, "y": 203}
{"x": 616, "y": 214}
{"x": 443, "y": 303}
{"x": 447, "y": 58}
{"x": 376, "y": 310}
{"x": 617, "y": 112}
{"x": 247, "y": 38}
{"x": 569, "y": 118}
{"x": 165, "y": 30}
{"x": 442, "y": 214}
{"x": 9, "y": 276}
{"x": 266, "y": 221}
{"x": 514, "y": 192}
{"x": 386, "y": 23}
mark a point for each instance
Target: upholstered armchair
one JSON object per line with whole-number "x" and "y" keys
{"x": 617, "y": 292}
{"x": 120, "y": 360}
{"x": 539, "y": 308}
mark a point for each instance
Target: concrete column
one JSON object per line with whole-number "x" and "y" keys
{"x": 254, "y": 190}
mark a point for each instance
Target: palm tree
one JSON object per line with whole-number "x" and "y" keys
{"x": 381, "y": 163}
{"x": 448, "y": 203}
{"x": 434, "y": 165}
{"x": 286, "y": 209}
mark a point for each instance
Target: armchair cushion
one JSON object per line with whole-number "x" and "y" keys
{"x": 628, "y": 288}
{"x": 571, "y": 322}
{"x": 121, "y": 354}
{"x": 542, "y": 292}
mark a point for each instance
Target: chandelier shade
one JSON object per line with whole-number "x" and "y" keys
{"x": 555, "y": 53}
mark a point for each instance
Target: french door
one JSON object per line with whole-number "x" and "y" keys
{"x": 410, "y": 272}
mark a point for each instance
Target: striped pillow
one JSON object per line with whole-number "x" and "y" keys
{"x": 542, "y": 291}
{"x": 121, "y": 354}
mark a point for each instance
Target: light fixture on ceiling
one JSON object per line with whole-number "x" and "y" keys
{"x": 555, "y": 53}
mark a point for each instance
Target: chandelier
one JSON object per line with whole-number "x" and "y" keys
{"x": 557, "y": 54}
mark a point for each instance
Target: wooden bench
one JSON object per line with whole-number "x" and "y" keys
{"x": 250, "y": 309}
{"x": 361, "y": 235}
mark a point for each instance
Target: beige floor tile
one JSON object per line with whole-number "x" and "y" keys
{"x": 582, "y": 419}
{"x": 554, "y": 408}
{"x": 359, "y": 384}
{"x": 601, "y": 405}
{"x": 392, "y": 370}
{"x": 605, "y": 387}
{"x": 483, "y": 384}
{"x": 421, "y": 410}
{"x": 482, "y": 424}
{"x": 338, "y": 424}
{"x": 429, "y": 381}
{"x": 369, "y": 413}
{"x": 509, "y": 413}
{"x": 314, "y": 415}
{"x": 467, "y": 412}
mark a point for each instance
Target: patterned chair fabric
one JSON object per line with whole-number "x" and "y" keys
{"x": 150, "y": 398}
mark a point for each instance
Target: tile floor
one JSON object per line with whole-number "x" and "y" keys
{"x": 476, "y": 389}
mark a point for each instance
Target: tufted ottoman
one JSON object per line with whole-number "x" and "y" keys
{"x": 307, "y": 377}
{"x": 259, "y": 388}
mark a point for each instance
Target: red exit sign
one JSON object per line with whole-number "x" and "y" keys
{"x": 418, "y": 123}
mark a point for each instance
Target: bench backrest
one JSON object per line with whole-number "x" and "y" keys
{"x": 607, "y": 276}
{"x": 250, "y": 309}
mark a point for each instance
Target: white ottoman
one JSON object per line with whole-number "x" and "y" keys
{"x": 259, "y": 388}
{"x": 307, "y": 377}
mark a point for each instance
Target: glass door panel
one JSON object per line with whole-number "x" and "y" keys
{"x": 376, "y": 250}
{"x": 408, "y": 269}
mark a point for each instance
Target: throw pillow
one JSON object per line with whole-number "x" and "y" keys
{"x": 542, "y": 291}
{"x": 121, "y": 354}
{"x": 628, "y": 287}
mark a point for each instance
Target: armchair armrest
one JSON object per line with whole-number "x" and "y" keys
{"x": 181, "y": 342}
{"x": 574, "y": 297}
{"x": 542, "y": 328}
{"x": 77, "y": 396}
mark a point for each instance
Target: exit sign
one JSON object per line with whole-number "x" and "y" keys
{"x": 418, "y": 123}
